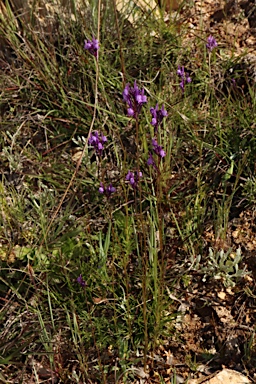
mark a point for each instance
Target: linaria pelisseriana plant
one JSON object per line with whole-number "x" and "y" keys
{"x": 135, "y": 98}
{"x": 106, "y": 253}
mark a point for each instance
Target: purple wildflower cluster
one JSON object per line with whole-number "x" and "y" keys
{"x": 157, "y": 116}
{"x": 92, "y": 46}
{"x": 133, "y": 178}
{"x": 135, "y": 98}
{"x": 211, "y": 43}
{"x": 151, "y": 160}
{"x": 97, "y": 141}
{"x": 185, "y": 78}
{"x": 159, "y": 151}
{"x": 106, "y": 191}
{"x": 81, "y": 281}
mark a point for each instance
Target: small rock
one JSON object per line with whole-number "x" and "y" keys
{"x": 226, "y": 376}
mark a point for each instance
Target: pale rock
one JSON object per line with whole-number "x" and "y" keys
{"x": 226, "y": 376}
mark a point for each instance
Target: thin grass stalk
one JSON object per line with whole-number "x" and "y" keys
{"x": 142, "y": 244}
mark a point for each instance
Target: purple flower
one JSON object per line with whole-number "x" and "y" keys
{"x": 133, "y": 178}
{"x": 151, "y": 161}
{"x": 211, "y": 43}
{"x": 110, "y": 189}
{"x": 92, "y": 46}
{"x": 233, "y": 83}
{"x": 107, "y": 191}
{"x": 135, "y": 98}
{"x": 185, "y": 78}
{"x": 180, "y": 71}
{"x": 101, "y": 188}
{"x": 158, "y": 149}
{"x": 97, "y": 141}
{"x": 157, "y": 116}
{"x": 81, "y": 281}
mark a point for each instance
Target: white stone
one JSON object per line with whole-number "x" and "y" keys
{"x": 226, "y": 376}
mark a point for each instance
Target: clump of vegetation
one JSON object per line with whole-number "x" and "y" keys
{"x": 121, "y": 160}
